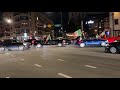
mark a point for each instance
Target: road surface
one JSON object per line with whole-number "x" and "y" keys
{"x": 60, "y": 62}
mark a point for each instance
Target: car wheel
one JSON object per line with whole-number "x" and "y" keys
{"x": 113, "y": 50}
{"x": 103, "y": 44}
{"x": 82, "y": 45}
{"x": 59, "y": 44}
{"x": 38, "y": 45}
{"x": 21, "y": 48}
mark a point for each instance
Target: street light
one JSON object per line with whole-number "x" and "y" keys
{"x": 8, "y": 21}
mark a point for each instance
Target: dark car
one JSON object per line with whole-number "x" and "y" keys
{"x": 11, "y": 45}
{"x": 113, "y": 47}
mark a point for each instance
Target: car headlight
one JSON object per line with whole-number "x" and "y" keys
{"x": 107, "y": 45}
{"x": 115, "y": 41}
{"x": 25, "y": 44}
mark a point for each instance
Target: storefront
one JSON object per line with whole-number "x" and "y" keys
{"x": 116, "y": 33}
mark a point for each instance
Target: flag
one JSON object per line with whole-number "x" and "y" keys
{"x": 97, "y": 36}
{"x": 48, "y": 37}
{"x": 103, "y": 33}
{"x": 78, "y": 33}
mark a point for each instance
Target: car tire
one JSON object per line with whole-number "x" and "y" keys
{"x": 113, "y": 50}
{"x": 39, "y": 45}
{"x": 21, "y": 48}
{"x": 82, "y": 45}
{"x": 103, "y": 44}
{"x": 59, "y": 44}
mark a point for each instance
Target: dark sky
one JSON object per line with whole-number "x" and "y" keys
{"x": 1, "y": 17}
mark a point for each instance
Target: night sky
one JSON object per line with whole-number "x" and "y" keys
{"x": 1, "y": 17}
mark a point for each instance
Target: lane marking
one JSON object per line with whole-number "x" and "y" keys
{"x": 63, "y": 75}
{"x": 90, "y": 66}
{"x": 60, "y": 59}
{"x": 7, "y": 53}
{"x": 22, "y": 59}
{"x": 37, "y": 65}
{"x": 7, "y": 77}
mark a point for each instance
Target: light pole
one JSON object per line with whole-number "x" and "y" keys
{"x": 8, "y": 21}
{"x": 61, "y": 20}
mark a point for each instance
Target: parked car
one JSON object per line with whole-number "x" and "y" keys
{"x": 93, "y": 42}
{"x": 113, "y": 47}
{"x": 11, "y": 45}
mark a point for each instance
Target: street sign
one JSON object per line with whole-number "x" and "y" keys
{"x": 49, "y": 25}
{"x": 57, "y": 25}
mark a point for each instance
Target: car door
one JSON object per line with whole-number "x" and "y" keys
{"x": 118, "y": 46}
{"x": 88, "y": 42}
{"x": 13, "y": 46}
{"x": 95, "y": 41}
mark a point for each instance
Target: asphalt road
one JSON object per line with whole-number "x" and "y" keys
{"x": 60, "y": 62}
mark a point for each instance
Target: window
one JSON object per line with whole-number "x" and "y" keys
{"x": 116, "y": 21}
{"x": 17, "y": 26}
{"x": 17, "y": 31}
{"x": 16, "y": 13}
{"x": 17, "y": 19}
{"x": 24, "y": 24}
{"x": 7, "y": 34}
{"x": 25, "y": 31}
{"x": 23, "y": 17}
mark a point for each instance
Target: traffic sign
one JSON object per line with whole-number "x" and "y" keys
{"x": 49, "y": 25}
{"x": 57, "y": 25}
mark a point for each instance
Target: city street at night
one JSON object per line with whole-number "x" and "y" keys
{"x": 59, "y": 62}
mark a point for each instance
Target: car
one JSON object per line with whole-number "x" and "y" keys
{"x": 113, "y": 47}
{"x": 10, "y": 45}
{"x": 93, "y": 42}
{"x": 112, "y": 39}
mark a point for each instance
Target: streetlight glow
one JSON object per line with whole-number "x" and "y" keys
{"x": 8, "y": 20}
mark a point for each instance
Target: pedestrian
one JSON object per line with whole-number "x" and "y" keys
{"x": 33, "y": 42}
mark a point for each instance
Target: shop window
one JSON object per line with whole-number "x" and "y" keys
{"x": 116, "y": 21}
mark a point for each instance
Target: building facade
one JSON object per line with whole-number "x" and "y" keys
{"x": 2, "y": 31}
{"x": 24, "y": 24}
{"x": 114, "y": 18}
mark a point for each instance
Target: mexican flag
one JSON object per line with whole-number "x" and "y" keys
{"x": 78, "y": 33}
{"x": 103, "y": 33}
{"x": 97, "y": 36}
{"x": 48, "y": 37}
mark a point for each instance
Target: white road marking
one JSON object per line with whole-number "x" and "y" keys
{"x": 60, "y": 59}
{"x": 37, "y": 65}
{"x": 22, "y": 59}
{"x": 7, "y": 77}
{"x": 7, "y": 53}
{"x": 90, "y": 66}
{"x": 63, "y": 75}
